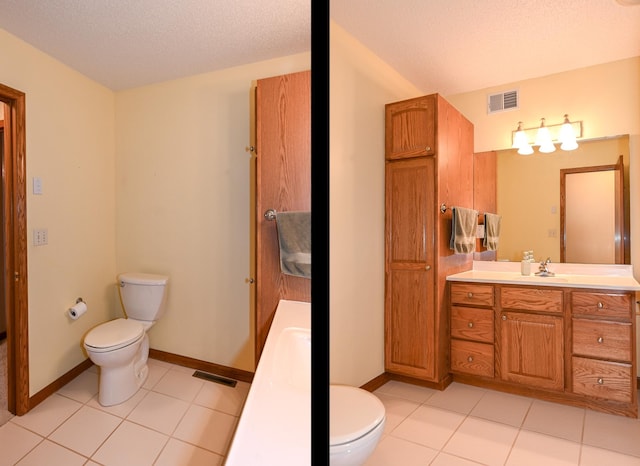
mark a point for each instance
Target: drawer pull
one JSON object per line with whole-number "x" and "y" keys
{"x": 600, "y": 381}
{"x": 600, "y": 305}
{"x": 470, "y": 359}
{"x": 600, "y": 340}
{"x": 470, "y": 324}
{"x": 428, "y": 267}
{"x": 469, "y": 294}
{"x": 504, "y": 317}
{"x": 428, "y": 148}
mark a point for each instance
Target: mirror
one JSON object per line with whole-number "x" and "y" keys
{"x": 528, "y": 195}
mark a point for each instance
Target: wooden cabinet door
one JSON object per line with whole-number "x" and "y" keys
{"x": 532, "y": 349}
{"x": 283, "y": 183}
{"x": 410, "y": 128}
{"x": 410, "y": 276}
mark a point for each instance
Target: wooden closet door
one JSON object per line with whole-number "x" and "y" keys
{"x": 283, "y": 183}
{"x": 410, "y": 269}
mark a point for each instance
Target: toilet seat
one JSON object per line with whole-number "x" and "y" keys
{"x": 354, "y": 413}
{"x": 113, "y": 335}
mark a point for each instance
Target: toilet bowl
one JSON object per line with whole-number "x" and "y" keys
{"x": 356, "y": 424}
{"x": 120, "y": 347}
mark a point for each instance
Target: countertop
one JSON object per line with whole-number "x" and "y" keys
{"x": 596, "y": 276}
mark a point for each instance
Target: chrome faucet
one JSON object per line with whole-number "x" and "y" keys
{"x": 543, "y": 270}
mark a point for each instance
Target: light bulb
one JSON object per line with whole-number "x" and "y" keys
{"x": 519, "y": 138}
{"x": 567, "y": 136}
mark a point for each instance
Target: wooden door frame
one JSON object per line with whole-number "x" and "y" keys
{"x": 14, "y": 249}
{"x": 622, "y": 255}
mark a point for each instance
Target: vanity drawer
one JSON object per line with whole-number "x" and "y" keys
{"x": 604, "y": 305}
{"x": 472, "y": 358}
{"x": 609, "y": 380}
{"x": 466, "y": 293}
{"x": 472, "y": 323}
{"x": 531, "y": 299}
{"x": 608, "y": 340}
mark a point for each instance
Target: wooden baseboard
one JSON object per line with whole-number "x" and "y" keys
{"x": 385, "y": 377}
{"x": 224, "y": 371}
{"x": 57, "y": 384}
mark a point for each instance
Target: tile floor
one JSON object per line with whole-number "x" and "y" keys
{"x": 465, "y": 426}
{"x": 175, "y": 419}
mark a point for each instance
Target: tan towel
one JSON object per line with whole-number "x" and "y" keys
{"x": 294, "y": 238}
{"x": 491, "y": 231}
{"x": 464, "y": 224}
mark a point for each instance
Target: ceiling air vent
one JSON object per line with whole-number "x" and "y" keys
{"x": 507, "y": 100}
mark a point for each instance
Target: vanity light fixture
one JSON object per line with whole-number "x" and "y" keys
{"x": 546, "y": 136}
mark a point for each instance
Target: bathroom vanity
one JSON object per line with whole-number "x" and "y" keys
{"x": 569, "y": 338}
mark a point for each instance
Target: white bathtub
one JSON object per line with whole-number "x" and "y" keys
{"x": 275, "y": 424}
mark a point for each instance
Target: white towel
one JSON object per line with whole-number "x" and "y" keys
{"x": 464, "y": 224}
{"x": 492, "y": 231}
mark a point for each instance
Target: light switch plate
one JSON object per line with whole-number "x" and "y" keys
{"x": 37, "y": 185}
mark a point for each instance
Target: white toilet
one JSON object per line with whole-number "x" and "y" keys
{"x": 120, "y": 347}
{"x": 356, "y": 422}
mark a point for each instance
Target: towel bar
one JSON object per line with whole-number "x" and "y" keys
{"x": 270, "y": 214}
{"x": 443, "y": 209}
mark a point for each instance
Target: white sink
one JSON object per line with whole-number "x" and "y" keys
{"x": 539, "y": 279}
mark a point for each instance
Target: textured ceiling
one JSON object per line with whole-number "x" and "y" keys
{"x": 445, "y": 46}
{"x": 453, "y": 46}
{"x": 129, "y": 43}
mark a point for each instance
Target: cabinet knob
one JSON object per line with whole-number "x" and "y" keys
{"x": 600, "y": 305}
{"x": 470, "y": 324}
{"x": 470, "y": 359}
{"x": 469, "y": 294}
{"x": 504, "y": 317}
{"x": 600, "y": 381}
{"x": 428, "y": 148}
{"x": 600, "y": 340}
{"x": 428, "y": 267}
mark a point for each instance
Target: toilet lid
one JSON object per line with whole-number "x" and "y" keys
{"x": 353, "y": 412}
{"x": 114, "y": 334}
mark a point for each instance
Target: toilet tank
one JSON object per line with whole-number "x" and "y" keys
{"x": 143, "y": 295}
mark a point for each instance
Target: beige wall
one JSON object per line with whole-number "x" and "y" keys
{"x": 361, "y": 84}
{"x": 70, "y": 145}
{"x": 183, "y": 204}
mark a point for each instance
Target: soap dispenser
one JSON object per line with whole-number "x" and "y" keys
{"x": 525, "y": 265}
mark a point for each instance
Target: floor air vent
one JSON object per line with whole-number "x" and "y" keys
{"x": 507, "y": 100}
{"x": 215, "y": 378}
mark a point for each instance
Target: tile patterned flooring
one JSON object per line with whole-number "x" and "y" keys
{"x": 175, "y": 419}
{"x": 470, "y": 426}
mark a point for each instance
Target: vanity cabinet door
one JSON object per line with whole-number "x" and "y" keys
{"x": 532, "y": 349}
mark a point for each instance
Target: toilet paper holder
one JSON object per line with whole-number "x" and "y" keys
{"x": 79, "y": 300}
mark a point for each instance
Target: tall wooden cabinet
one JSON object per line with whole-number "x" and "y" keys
{"x": 283, "y": 183}
{"x": 429, "y": 162}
